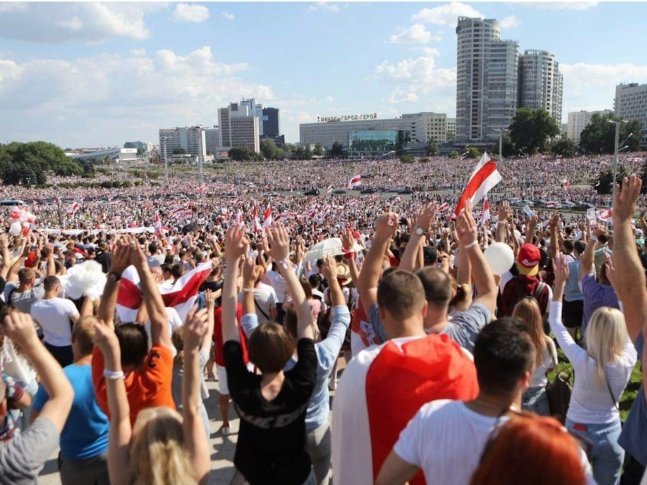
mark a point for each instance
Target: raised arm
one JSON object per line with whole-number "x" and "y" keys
{"x": 279, "y": 241}
{"x": 249, "y": 283}
{"x": 586, "y": 262}
{"x": 195, "y": 335}
{"x": 210, "y": 297}
{"x": 19, "y": 327}
{"x": 467, "y": 232}
{"x": 503, "y": 216}
{"x": 369, "y": 276}
{"x": 421, "y": 227}
{"x": 120, "y": 428}
{"x": 631, "y": 286}
{"x": 348, "y": 245}
{"x": 236, "y": 245}
{"x": 564, "y": 339}
{"x": 108, "y": 303}
{"x": 554, "y": 243}
{"x": 160, "y": 329}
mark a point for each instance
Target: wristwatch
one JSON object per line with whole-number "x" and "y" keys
{"x": 115, "y": 276}
{"x": 419, "y": 231}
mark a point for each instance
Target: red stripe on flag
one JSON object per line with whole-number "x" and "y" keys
{"x": 130, "y": 295}
{"x": 475, "y": 182}
{"x": 190, "y": 289}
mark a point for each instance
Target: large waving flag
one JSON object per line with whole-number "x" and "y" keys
{"x": 355, "y": 181}
{"x": 486, "y": 211}
{"x": 484, "y": 178}
{"x": 181, "y": 295}
{"x": 267, "y": 217}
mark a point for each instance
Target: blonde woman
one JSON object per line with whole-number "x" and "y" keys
{"x": 535, "y": 398}
{"x": 602, "y": 372}
{"x": 163, "y": 448}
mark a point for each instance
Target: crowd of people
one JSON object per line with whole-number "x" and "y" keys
{"x": 114, "y": 316}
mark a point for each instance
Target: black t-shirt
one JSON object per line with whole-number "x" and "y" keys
{"x": 271, "y": 443}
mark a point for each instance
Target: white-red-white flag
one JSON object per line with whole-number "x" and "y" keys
{"x": 484, "y": 178}
{"x": 355, "y": 181}
{"x": 329, "y": 189}
{"x": 486, "y": 211}
{"x": 267, "y": 217}
{"x": 605, "y": 215}
{"x": 181, "y": 295}
{"x": 256, "y": 223}
{"x": 73, "y": 208}
{"x": 157, "y": 224}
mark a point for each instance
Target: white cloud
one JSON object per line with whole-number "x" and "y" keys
{"x": 228, "y": 16}
{"x": 416, "y": 34}
{"x": 446, "y": 14}
{"x": 62, "y": 22}
{"x": 509, "y": 22}
{"x": 559, "y": 5}
{"x": 325, "y": 7}
{"x": 592, "y": 86}
{"x": 190, "y": 13}
{"x": 117, "y": 97}
{"x": 419, "y": 80}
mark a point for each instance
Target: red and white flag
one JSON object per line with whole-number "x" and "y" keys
{"x": 444, "y": 207}
{"x": 605, "y": 215}
{"x": 355, "y": 181}
{"x": 565, "y": 184}
{"x": 239, "y": 217}
{"x": 329, "y": 189}
{"x": 369, "y": 424}
{"x": 74, "y": 207}
{"x": 267, "y": 217}
{"x": 181, "y": 295}
{"x": 256, "y": 223}
{"x": 484, "y": 178}
{"x": 486, "y": 211}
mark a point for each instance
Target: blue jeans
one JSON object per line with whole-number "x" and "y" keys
{"x": 535, "y": 400}
{"x": 606, "y": 455}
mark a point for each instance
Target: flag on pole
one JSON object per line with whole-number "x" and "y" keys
{"x": 267, "y": 217}
{"x": 329, "y": 189}
{"x": 157, "y": 224}
{"x": 444, "y": 207}
{"x": 74, "y": 207}
{"x": 181, "y": 295}
{"x": 605, "y": 215}
{"x": 256, "y": 223}
{"x": 484, "y": 178}
{"x": 355, "y": 181}
{"x": 486, "y": 211}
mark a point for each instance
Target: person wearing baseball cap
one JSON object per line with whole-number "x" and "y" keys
{"x": 526, "y": 283}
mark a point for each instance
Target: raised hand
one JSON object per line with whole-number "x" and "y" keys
{"x": 106, "y": 339}
{"x": 386, "y": 225}
{"x": 120, "y": 256}
{"x": 279, "y": 241}
{"x": 137, "y": 256}
{"x": 504, "y": 211}
{"x": 329, "y": 268}
{"x": 249, "y": 273}
{"x": 610, "y": 270}
{"x": 560, "y": 267}
{"x": 236, "y": 244}
{"x": 20, "y": 328}
{"x": 624, "y": 198}
{"x": 195, "y": 329}
{"x": 210, "y": 298}
{"x": 466, "y": 230}
{"x": 426, "y": 216}
{"x": 347, "y": 240}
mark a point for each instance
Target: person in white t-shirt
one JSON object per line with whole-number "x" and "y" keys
{"x": 446, "y": 438}
{"x": 56, "y": 316}
{"x": 265, "y": 298}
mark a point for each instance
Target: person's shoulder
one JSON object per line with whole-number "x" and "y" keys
{"x": 433, "y": 409}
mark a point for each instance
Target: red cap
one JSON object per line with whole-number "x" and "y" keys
{"x": 528, "y": 259}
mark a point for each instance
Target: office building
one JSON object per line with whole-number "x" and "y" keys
{"x": 188, "y": 140}
{"x": 540, "y": 83}
{"x": 426, "y": 127}
{"x": 212, "y": 139}
{"x": 270, "y": 123}
{"x": 486, "y": 81}
{"x": 578, "y": 120}
{"x": 240, "y": 125}
{"x": 631, "y": 104}
{"x": 451, "y": 129}
{"x": 140, "y": 146}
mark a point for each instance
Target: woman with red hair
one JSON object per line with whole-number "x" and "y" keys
{"x": 529, "y": 450}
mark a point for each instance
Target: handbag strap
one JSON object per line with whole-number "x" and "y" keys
{"x": 615, "y": 403}
{"x": 261, "y": 310}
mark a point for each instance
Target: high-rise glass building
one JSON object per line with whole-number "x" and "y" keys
{"x": 540, "y": 83}
{"x": 270, "y": 122}
{"x": 486, "y": 80}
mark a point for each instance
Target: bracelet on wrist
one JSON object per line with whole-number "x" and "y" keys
{"x": 349, "y": 254}
{"x": 472, "y": 244}
{"x": 113, "y": 375}
{"x": 248, "y": 290}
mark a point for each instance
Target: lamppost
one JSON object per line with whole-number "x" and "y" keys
{"x": 615, "y": 148}
{"x": 165, "y": 159}
{"x": 501, "y": 132}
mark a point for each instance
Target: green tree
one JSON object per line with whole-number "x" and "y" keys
{"x": 531, "y": 129}
{"x": 564, "y": 147}
{"x": 507, "y": 147}
{"x": 337, "y": 150}
{"x": 454, "y": 154}
{"x": 603, "y": 184}
{"x": 431, "y": 149}
{"x": 318, "y": 151}
{"x": 473, "y": 152}
{"x": 268, "y": 149}
{"x": 407, "y": 159}
{"x": 307, "y": 153}
{"x": 599, "y": 135}
{"x": 34, "y": 159}
{"x": 242, "y": 154}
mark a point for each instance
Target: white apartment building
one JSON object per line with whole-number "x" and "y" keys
{"x": 486, "y": 82}
{"x": 631, "y": 104}
{"x": 540, "y": 83}
{"x": 240, "y": 125}
{"x": 212, "y": 139}
{"x": 451, "y": 129}
{"x": 578, "y": 120}
{"x": 191, "y": 139}
{"x": 427, "y": 126}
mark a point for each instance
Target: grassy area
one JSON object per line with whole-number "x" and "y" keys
{"x": 630, "y": 393}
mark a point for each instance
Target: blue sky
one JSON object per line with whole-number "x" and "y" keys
{"x": 91, "y": 74}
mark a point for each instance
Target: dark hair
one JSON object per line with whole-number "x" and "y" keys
{"x": 603, "y": 239}
{"x": 133, "y": 342}
{"x": 177, "y": 270}
{"x": 50, "y": 283}
{"x": 579, "y": 246}
{"x": 152, "y": 248}
{"x": 437, "y": 285}
{"x": 568, "y": 245}
{"x": 26, "y": 275}
{"x": 400, "y": 293}
{"x": 270, "y": 347}
{"x": 503, "y": 352}
{"x": 83, "y": 334}
{"x": 291, "y": 322}
{"x": 314, "y": 280}
{"x": 307, "y": 289}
